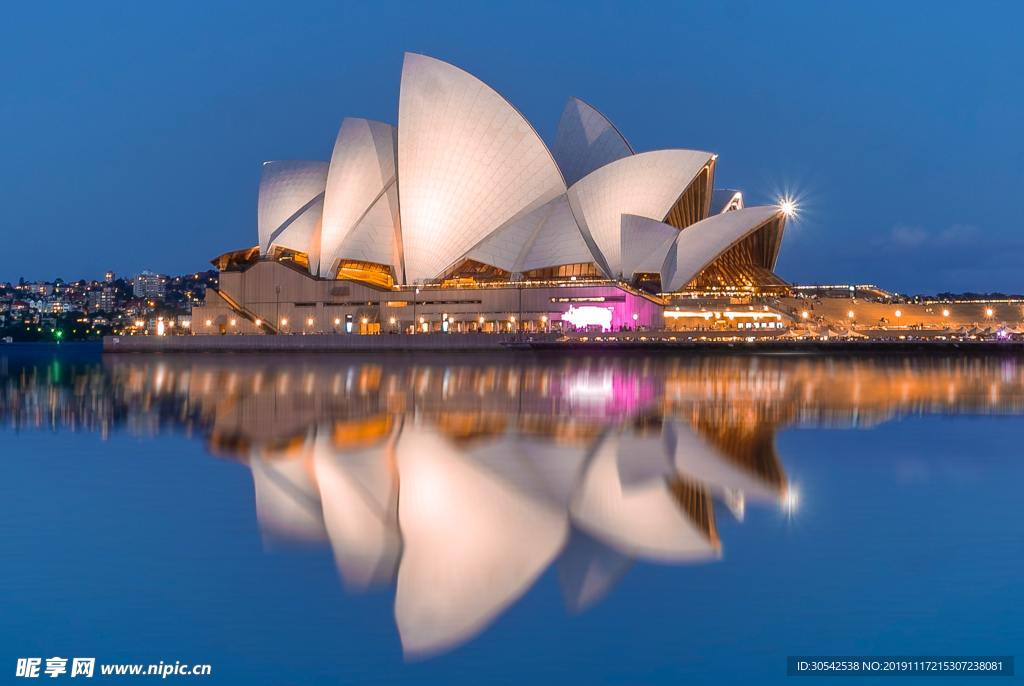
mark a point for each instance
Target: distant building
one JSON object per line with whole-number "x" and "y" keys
{"x": 149, "y": 285}
{"x": 109, "y": 277}
{"x": 102, "y": 299}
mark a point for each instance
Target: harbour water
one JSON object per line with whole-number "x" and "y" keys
{"x": 521, "y": 518}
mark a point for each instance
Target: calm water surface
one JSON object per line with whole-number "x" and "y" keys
{"x": 480, "y": 519}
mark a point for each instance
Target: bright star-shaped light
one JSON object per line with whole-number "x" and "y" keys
{"x": 788, "y": 206}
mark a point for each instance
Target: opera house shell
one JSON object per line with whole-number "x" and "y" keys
{"x": 463, "y": 191}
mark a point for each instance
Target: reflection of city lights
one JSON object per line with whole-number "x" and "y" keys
{"x": 790, "y": 500}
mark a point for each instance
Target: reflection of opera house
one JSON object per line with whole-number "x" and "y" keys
{"x": 460, "y": 218}
{"x": 461, "y": 483}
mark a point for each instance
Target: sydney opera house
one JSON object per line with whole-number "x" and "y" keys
{"x": 461, "y": 218}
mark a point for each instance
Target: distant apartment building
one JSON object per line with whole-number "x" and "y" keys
{"x": 149, "y": 285}
{"x": 102, "y": 299}
{"x": 109, "y": 277}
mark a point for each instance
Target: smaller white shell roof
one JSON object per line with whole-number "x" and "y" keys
{"x": 362, "y": 166}
{"x": 586, "y": 140}
{"x": 374, "y": 236}
{"x": 647, "y": 185}
{"x": 558, "y": 240}
{"x": 645, "y": 243}
{"x": 290, "y": 203}
{"x": 699, "y": 244}
{"x": 545, "y": 237}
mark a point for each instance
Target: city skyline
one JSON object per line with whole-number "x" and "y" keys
{"x": 157, "y": 160}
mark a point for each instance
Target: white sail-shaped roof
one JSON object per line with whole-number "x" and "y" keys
{"x": 375, "y": 236}
{"x": 699, "y": 244}
{"x": 290, "y": 204}
{"x": 473, "y": 543}
{"x": 503, "y": 248}
{"x": 359, "y": 496}
{"x": 558, "y": 240}
{"x": 725, "y": 200}
{"x": 645, "y": 244}
{"x": 468, "y": 162}
{"x": 587, "y": 571}
{"x": 700, "y": 461}
{"x": 643, "y": 521}
{"x": 362, "y": 166}
{"x": 546, "y": 237}
{"x": 287, "y": 498}
{"x": 586, "y": 141}
{"x": 647, "y": 185}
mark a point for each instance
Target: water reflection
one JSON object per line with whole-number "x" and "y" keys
{"x": 460, "y": 481}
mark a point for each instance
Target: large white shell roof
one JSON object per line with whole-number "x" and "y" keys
{"x": 468, "y": 162}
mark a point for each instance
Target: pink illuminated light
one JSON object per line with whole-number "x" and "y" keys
{"x": 589, "y": 315}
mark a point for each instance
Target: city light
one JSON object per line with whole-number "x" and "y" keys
{"x": 233, "y": 322}
{"x": 391, "y": 321}
{"x": 849, "y": 314}
{"x": 365, "y": 321}
{"x": 337, "y": 321}
{"x": 989, "y": 312}
{"x": 805, "y": 314}
{"x": 284, "y": 321}
{"x": 899, "y": 313}
{"x": 209, "y": 322}
{"x": 257, "y": 323}
{"x": 945, "y": 313}
{"x": 309, "y": 322}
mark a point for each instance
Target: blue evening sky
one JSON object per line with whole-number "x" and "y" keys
{"x": 133, "y": 133}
